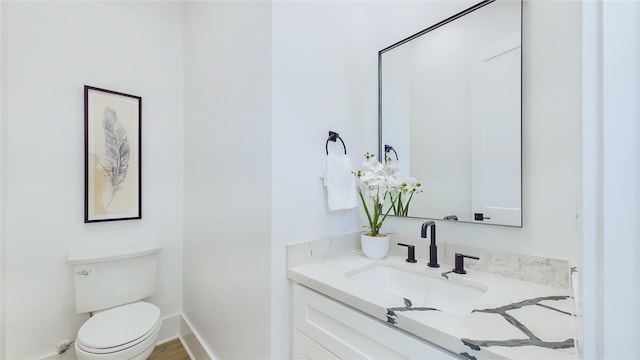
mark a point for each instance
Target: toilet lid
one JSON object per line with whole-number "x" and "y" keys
{"x": 118, "y": 326}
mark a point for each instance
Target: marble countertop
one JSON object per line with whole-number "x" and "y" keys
{"x": 513, "y": 319}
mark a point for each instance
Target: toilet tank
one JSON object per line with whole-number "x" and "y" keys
{"x": 110, "y": 276}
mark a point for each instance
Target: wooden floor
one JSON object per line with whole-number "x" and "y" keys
{"x": 172, "y": 350}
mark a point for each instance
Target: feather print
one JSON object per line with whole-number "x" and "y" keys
{"x": 116, "y": 160}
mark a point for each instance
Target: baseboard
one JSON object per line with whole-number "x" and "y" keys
{"x": 192, "y": 342}
{"x": 68, "y": 355}
{"x": 170, "y": 328}
{"x": 173, "y": 327}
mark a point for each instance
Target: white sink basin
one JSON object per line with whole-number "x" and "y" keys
{"x": 424, "y": 289}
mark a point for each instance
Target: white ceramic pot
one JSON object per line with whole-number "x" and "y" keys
{"x": 374, "y": 247}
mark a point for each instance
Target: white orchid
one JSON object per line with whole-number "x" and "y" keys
{"x": 392, "y": 166}
{"x": 404, "y": 189}
{"x": 408, "y": 187}
{"x": 380, "y": 182}
{"x": 377, "y": 184}
{"x": 372, "y": 164}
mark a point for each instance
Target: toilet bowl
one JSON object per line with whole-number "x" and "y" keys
{"x": 124, "y": 332}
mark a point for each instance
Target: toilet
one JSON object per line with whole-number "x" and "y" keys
{"x": 111, "y": 284}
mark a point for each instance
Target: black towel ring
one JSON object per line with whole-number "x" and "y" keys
{"x": 333, "y": 136}
{"x": 388, "y": 148}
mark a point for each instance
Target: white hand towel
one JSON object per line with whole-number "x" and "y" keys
{"x": 340, "y": 182}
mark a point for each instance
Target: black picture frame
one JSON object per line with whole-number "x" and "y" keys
{"x": 112, "y": 155}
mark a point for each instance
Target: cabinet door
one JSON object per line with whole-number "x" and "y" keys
{"x": 307, "y": 349}
{"x": 350, "y": 334}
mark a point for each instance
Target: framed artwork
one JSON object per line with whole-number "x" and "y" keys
{"x": 112, "y": 155}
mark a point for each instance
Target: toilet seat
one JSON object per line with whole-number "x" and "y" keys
{"x": 118, "y": 329}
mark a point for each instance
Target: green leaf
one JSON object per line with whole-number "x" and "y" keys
{"x": 366, "y": 209}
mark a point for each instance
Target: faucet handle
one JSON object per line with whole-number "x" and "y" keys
{"x": 459, "y": 269}
{"x": 411, "y": 253}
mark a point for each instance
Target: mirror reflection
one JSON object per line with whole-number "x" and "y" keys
{"x": 450, "y": 114}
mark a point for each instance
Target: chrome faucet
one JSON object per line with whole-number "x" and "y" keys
{"x": 433, "y": 249}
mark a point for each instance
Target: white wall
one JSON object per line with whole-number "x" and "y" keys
{"x": 620, "y": 181}
{"x": 324, "y": 78}
{"x": 52, "y": 49}
{"x": 3, "y": 153}
{"x": 227, "y": 162}
{"x": 611, "y": 197}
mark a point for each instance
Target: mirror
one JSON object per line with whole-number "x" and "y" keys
{"x": 450, "y": 113}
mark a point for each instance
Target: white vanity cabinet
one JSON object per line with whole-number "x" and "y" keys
{"x": 327, "y": 329}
